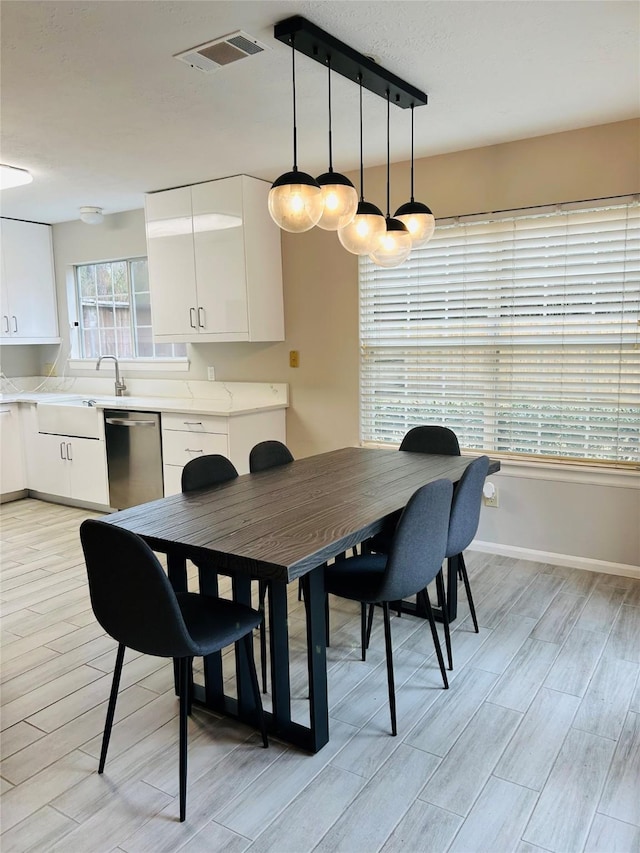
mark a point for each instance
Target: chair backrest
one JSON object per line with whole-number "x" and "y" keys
{"x": 205, "y": 471}
{"x": 419, "y": 543}
{"x": 465, "y": 511}
{"x": 269, "y": 454}
{"x": 431, "y": 439}
{"x": 131, "y": 595}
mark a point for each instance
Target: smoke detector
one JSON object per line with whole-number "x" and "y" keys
{"x": 221, "y": 51}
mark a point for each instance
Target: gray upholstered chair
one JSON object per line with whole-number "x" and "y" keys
{"x": 431, "y": 439}
{"x": 415, "y": 558}
{"x": 203, "y": 472}
{"x": 265, "y": 455}
{"x": 465, "y": 516}
{"x": 269, "y": 454}
{"x": 134, "y": 602}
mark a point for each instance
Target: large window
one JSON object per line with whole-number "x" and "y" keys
{"x": 519, "y": 333}
{"x": 115, "y": 312}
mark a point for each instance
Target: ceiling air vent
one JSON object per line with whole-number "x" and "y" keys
{"x": 221, "y": 51}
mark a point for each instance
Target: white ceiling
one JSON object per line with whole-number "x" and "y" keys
{"x": 94, "y": 105}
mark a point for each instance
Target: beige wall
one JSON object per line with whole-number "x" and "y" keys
{"x": 321, "y": 306}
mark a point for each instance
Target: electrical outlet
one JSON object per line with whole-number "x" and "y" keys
{"x": 491, "y": 500}
{"x": 49, "y": 369}
{"x": 294, "y": 358}
{"x": 211, "y": 374}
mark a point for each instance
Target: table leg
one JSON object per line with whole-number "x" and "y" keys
{"x": 246, "y": 703}
{"x": 279, "y": 648}
{"x": 314, "y": 598}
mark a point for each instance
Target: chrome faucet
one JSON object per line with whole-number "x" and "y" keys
{"x": 120, "y": 386}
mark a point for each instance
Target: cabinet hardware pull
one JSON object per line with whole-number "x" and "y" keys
{"x": 188, "y": 450}
{"x": 5, "y": 411}
{"x": 192, "y": 423}
{"x": 15, "y": 322}
{"x": 69, "y": 453}
{"x": 62, "y": 456}
{"x": 192, "y": 314}
{"x": 5, "y": 317}
{"x": 201, "y": 318}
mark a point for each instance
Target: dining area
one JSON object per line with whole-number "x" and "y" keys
{"x": 395, "y": 713}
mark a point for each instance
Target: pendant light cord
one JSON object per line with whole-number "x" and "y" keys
{"x": 412, "y": 198}
{"x": 388, "y": 152}
{"x": 361, "y": 151}
{"x": 330, "y": 137}
{"x": 295, "y": 128}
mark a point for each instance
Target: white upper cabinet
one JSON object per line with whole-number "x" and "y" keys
{"x": 215, "y": 267}
{"x": 28, "y": 293}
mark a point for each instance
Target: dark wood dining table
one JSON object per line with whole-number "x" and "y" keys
{"x": 280, "y": 525}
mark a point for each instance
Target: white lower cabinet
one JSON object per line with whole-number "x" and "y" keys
{"x": 12, "y": 468}
{"x": 70, "y": 467}
{"x": 186, "y": 436}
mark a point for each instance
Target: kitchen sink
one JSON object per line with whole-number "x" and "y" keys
{"x": 73, "y": 417}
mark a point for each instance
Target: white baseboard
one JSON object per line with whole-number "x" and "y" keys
{"x": 569, "y": 560}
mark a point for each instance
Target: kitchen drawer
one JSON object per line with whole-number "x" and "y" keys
{"x": 194, "y": 423}
{"x": 178, "y": 448}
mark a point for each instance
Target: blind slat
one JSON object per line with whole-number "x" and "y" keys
{"x": 521, "y": 334}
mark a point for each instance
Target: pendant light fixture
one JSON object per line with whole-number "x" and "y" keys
{"x": 339, "y": 196}
{"x": 393, "y": 245}
{"x": 358, "y": 237}
{"x": 416, "y": 216}
{"x": 295, "y": 198}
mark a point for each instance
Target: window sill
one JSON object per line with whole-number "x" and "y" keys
{"x": 142, "y": 365}
{"x": 555, "y": 471}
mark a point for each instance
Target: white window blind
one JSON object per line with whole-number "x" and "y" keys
{"x": 520, "y": 334}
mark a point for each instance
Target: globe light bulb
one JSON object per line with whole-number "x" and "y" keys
{"x": 419, "y": 220}
{"x": 295, "y": 202}
{"x": 359, "y": 236}
{"x": 392, "y": 246}
{"x": 340, "y": 201}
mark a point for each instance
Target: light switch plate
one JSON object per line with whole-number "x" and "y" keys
{"x": 211, "y": 374}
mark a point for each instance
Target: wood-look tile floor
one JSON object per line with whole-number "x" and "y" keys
{"x": 536, "y": 746}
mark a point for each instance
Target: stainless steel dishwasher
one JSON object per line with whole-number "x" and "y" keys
{"x": 134, "y": 457}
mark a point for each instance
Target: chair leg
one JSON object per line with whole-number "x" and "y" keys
{"x": 184, "y": 666}
{"x": 390, "y": 681}
{"x": 363, "y": 629}
{"x": 445, "y": 616}
{"x": 465, "y": 577}
{"x": 262, "y": 591}
{"x": 111, "y": 710}
{"x": 248, "y": 648}
{"x": 189, "y": 666}
{"x": 370, "y": 623}
{"x": 300, "y": 589}
{"x": 436, "y": 641}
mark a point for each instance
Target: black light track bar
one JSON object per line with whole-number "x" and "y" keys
{"x": 319, "y": 45}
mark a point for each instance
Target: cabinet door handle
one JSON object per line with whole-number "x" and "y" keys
{"x": 188, "y": 450}
{"x": 69, "y": 453}
{"x": 201, "y": 318}
{"x": 5, "y": 317}
{"x": 62, "y": 456}
{"x": 192, "y": 318}
{"x": 192, "y": 423}
{"x": 15, "y": 322}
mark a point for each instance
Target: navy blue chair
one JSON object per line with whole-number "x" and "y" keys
{"x": 134, "y": 602}
{"x": 415, "y": 558}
